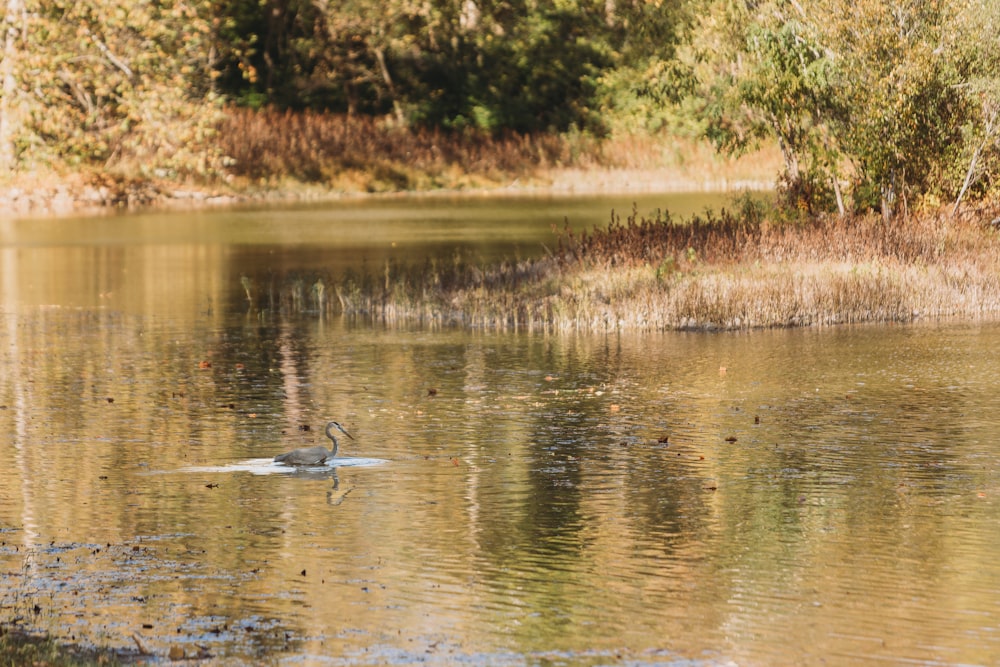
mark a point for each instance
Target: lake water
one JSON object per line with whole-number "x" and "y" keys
{"x": 776, "y": 497}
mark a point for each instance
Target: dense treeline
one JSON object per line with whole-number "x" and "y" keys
{"x": 519, "y": 65}
{"x": 874, "y": 105}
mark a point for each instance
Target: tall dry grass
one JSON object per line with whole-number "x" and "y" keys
{"x": 273, "y": 149}
{"x": 365, "y": 153}
{"x": 725, "y": 271}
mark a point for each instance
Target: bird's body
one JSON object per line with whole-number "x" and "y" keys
{"x": 306, "y": 456}
{"x": 314, "y": 456}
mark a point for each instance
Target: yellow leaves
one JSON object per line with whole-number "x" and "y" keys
{"x": 249, "y": 72}
{"x": 116, "y": 73}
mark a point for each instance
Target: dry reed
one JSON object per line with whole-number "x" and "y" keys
{"x": 365, "y": 153}
{"x": 273, "y": 149}
{"x": 725, "y": 271}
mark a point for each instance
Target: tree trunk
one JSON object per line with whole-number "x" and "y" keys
{"x": 380, "y": 57}
{"x": 790, "y": 157}
{"x": 841, "y": 210}
{"x": 887, "y": 201}
{"x": 990, "y": 128}
{"x": 9, "y": 116}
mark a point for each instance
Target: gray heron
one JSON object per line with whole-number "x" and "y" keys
{"x": 314, "y": 456}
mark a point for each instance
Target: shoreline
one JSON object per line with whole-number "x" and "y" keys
{"x": 70, "y": 201}
{"x": 751, "y": 269}
{"x": 41, "y": 195}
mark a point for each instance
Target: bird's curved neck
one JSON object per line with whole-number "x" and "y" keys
{"x": 329, "y": 434}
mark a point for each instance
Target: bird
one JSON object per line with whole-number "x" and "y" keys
{"x": 314, "y": 456}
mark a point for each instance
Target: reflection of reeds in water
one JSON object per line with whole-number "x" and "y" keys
{"x": 720, "y": 271}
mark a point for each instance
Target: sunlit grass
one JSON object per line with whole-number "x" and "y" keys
{"x": 361, "y": 153}
{"x": 715, "y": 271}
{"x": 286, "y": 151}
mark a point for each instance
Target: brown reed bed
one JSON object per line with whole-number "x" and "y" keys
{"x": 733, "y": 270}
{"x": 282, "y": 153}
{"x": 362, "y": 153}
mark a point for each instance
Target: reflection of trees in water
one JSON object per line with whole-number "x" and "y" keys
{"x": 559, "y": 486}
{"x": 591, "y": 499}
{"x": 846, "y": 474}
{"x": 842, "y": 475}
{"x": 126, "y": 398}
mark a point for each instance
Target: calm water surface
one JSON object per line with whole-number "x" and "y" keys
{"x": 778, "y": 497}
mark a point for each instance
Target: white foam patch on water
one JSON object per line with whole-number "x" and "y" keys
{"x": 269, "y": 467}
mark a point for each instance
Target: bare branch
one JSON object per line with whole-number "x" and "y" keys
{"x": 112, "y": 58}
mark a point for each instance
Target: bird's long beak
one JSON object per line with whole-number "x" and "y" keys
{"x": 342, "y": 430}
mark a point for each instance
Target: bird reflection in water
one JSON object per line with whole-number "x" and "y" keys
{"x": 334, "y": 495}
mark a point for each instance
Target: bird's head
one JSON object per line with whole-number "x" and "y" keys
{"x": 336, "y": 425}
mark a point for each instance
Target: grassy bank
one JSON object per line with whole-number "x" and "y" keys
{"x": 270, "y": 156}
{"x": 734, "y": 270}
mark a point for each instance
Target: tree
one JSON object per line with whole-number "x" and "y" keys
{"x": 977, "y": 31}
{"x": 898, "y": 82}
{"x": 116, "y": 82}
{"x": 763, "y": 75}
{"x": 13, "y": 52}
{"x": 517, "y": 65}
{"x": 891, "y": 91}
{"x": 488, "y": 64}
{"x": 542, "y": 74}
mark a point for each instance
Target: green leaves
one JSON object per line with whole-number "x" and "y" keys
{"x": 878, "y": 93}
{"x": 896, "y": 102}
{"x": 490, "y": 65}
